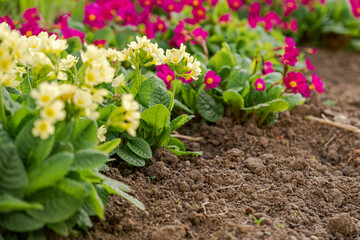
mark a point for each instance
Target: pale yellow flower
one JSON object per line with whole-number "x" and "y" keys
{"x": 43, "y": 129}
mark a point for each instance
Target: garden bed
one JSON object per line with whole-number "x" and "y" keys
{"x": 301, "y": 177}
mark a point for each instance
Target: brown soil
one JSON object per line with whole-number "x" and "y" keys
{"x": 302, "y": 178}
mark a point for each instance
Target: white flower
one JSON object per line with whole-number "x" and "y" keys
{"x": 175, "y": 55}
{"x": 115, "y": 55}
{"x": 119, "y": 81}
{"x": 99, "y": 94}
{"x": 62, "y": 76}
{"x": 9, "y": 80}
{"x": 43, "y": 129}
{"x": 46, "y": 93}
{"x": 101, "y": 133}
{"x": 128, "y": 103}
{"x": 82, "y": 98}
{"x": 141, "y": 42}
{"x": 54, "y": 112}
{"x": 68, "y": 62}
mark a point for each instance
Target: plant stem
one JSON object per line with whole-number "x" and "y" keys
{"x": 138, "y": 77}
{"x": 173, "y": 95}
{"x": 2, "y": 109}
{"x": 28, "y": 78}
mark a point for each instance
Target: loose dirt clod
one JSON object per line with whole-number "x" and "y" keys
{"x": 343, "y": 224}
{"x": 169, "y": 233}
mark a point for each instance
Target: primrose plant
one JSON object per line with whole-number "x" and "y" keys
{"x": 50, "y": 156}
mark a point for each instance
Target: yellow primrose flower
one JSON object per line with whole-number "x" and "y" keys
{"x": 46, "y": 93}
{"x": 43, "y": 129}
{"x": 54, "y": 112}
{"x": 101, "y": 133}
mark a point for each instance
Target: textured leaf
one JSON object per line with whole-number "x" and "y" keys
{"x": 9, "y": 103}
{"x": 13, "y": 177}
{"x": 159, "y": 95}
{"x": 84, "y": 133}
{"x": 157, "y": 117}
{"x": 180, "y": 121}
{"x": 238, "y": 78}
{"x": 116, "y": 185}
{"x": 131, "y": 199}
{"x": 294, "y": 100}
{"x": 60, "y": 228}
{"x": 176, "y": 142}
{"x": 78, "y": 12}
{"x": 140, "y": 147}
{"x": 58, "y": 205}
{"x": 163, "y": 139}
{"x": 89, "y": 158}
{"x": 208, "y": 108}
{"x": 185, "y": 153}
{"x": 131, "y": 158}
{"x": 96, "y": 203}
{"x": 19, "y": 222}
{"x": 233, "y": 98}
{"x": 50, "y": 171}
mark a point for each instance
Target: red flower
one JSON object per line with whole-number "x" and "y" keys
{"x": 200, "y": 35}
{"x": 100, "y": 43}
{"x": 259, "y": 85}
{"x": 211, "y": 80}
{"x": 317, "y": 84}
{"x": 235, "y": 4}
{"x": 309, "y": 65}
{"x": 254, "y": 15}
{"x": 160, "y": 25}
{"x": 268, "y": 68}
{"x": 31, "y": 14}
{"x": 165, "y": 74}
{"x": 290, "y": 6}
{"x": 271, "y": 19}
{"x": 297, "y": 83}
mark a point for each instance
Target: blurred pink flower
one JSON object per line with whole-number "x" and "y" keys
{"x": 165, "y": 74}
{"x": 317, "y": 84}
{"x": 290, "y": 6}
{"x": 254, "y": 15}
{"x": 211, "y": 80}
{"x": 200, "y": 35}
{"x": 259, "y": 85}
{"x": 297, "y": 83}
{"x": 309, "y": 65}
{"x": 8, "y": 20}
{"x": 31, "y": 14}
{"x": 235, "y": 4}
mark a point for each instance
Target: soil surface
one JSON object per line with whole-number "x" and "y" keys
{"x": 298, "y": 179}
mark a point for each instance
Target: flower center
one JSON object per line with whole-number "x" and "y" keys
{"x": 5, "y": 64}
{"x": 358, "y": 10}
{"x": 195, "y": 3}
{"x": 80, "y": 102}
{"x": 92, "y": 17}
{"x": 50, "y": 112}
{"x": 236, "y": 4}
{"x": 171, "y": 7}
{"x": 259, "y": 86}
{"x": 312, "y": 86}
{"x": 161, "y": 26}
{"x": 45, "y": 98}
{"x": 90, "y": 77}
{"x": 147, "y": 3}
{"x": 200, "y": 12}
{"x": 43, "y": 126}
{"x": 187, "y": 78}
{"x": 209, "y": 80}
{"x": 293, "y": 84}
{"x": 290, "y": 4}
{"x": 29, "y": 33}
{"x": 169, "y": 78}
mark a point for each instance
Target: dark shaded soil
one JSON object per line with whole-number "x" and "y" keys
{"x": 300, "y": 177}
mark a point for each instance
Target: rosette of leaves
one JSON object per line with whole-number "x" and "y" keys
{"x": 54, "y": 183}
{"x": 155, "y": 127}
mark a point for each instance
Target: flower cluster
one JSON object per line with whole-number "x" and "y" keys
{"x": 291, "y": 53}
{"x": 296, "y": 82}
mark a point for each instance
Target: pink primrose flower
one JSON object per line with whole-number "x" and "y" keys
{"x": 259, "y": 85}
{"x": 211, "y": 80}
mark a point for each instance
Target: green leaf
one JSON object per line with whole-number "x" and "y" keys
{"x": 185, "y": 153}
{"x": 58, "y": 206}
{"x": 60, "y": 228}
{"x": 109, "y": 145}
{"x": 233, "y": 98}
{"x": 25, "y": 86}
{"x": 13, "y": 178}
{"x": 105, "y": 112}
{"x": 274, "y": 93}
{"x": 208, "y": 108}
{"x": 189, "y": 96}
{"x": 9, "y": 203}
{"x": 294, "y": 100}
{"x": 106, "y": 33}
{"x": 163, "y": 139}
{"x": 77, "y": 189}
{"x": 182, "y": 106}
{"x": 19, "y": 222}
{"x": 116, "y": 185}
{"x": 89, "y": 158}
{"x": 32, "y": 149}
{"x": 84, "y": 133}
{"x": 49, "y": 171}
{"x": 156, "y": 117}
{"x": 78, "y": 12}
{"x": 272, "y": 77}
{"x": 18, "y": 120}
{"x": 176, "y": 142}
{"x": 131, "y": 158}
{"x": 9, "y": 103}
{"x": 180, "y": 121}
{"x": 277, "y": 105}
{"x": 238, "y": 79}
{"x": 159, "y": 95}
{"x": 96, "y": 202}
{"x": 140, "y": 147}
{"x": 222, "y": 58}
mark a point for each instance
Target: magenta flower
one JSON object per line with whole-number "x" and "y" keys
{"x": 314, "y": 51}
{"x": 200, "y": 35}
{"x": 128, "y": 15}
{"x": 355, "y": 7}
{"x": 160, "y": 25}
{"x": 180, "y": 35}
{"x": 68, "y": 32}
{"x": 268, "y": 68}
{"x": 199, "y": 13}
{"x": 171, "y": 6}
{"x": 268, "y": 2}
{"x": 290, "y": 56}
{"x": 187, "y": 78}
{"x": 297, "y": 83}
{"x": 235, "y": 4}
{"x": 194, "y": 3}
{"x": 30, "y": 28}
{"x": 293, "y": 25}
{"x": 290, "y": 6}
{"x": 289, "y": 42}
{"x": 309, "y": 65}
{"x": 225, "y": 18}
{"x": 214, "y": 2}
{"x": 147, "y": 3}
{"x": 259, "y": 85}
{"x": 254, "y": 15}
{"x": 100, "y": 43}
{"x": 211, "y": 80}
{"x": 317, "y": 84}
{"x": 165, "y": 74}
{"x": 271, "y": 19}
{"x": 31, "y": 14}
{"x": 8, "y": 20}
{"x": 94, "y": 16}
